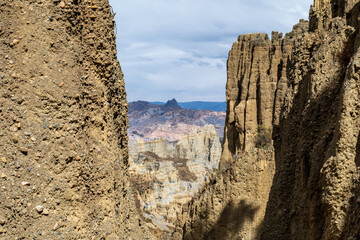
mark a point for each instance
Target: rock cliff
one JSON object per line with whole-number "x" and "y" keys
{"x": 257, "y": 82}
{"x": 295, "y": 99}
{"x": 234, "y": 204}
{"x": 167, "y": 175}
{"x": 315, "y": 189}
{"x": 63, "y": 118}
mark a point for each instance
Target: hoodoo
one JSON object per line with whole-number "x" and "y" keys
{"x": 63, "y": 118}
{"x": 291, "y": 152}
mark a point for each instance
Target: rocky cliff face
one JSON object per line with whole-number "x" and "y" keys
{"x": 63, "y": 143}
{"x": 234, "y": 204}
{"x": 168, "y": 175}
{"x": 257, "y": 82}
{"x": 315, "y": 190}
{"x": 306, "y": 91}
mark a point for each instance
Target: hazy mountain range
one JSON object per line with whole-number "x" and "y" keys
{"x": 200, "y": 105}
{"x": 170, "y": 121}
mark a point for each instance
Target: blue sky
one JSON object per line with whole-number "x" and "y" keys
{"x": 178, "y": 48}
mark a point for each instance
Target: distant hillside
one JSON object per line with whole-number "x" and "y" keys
{"x": 169, "y": 121}
{"x": 203, "y": 105}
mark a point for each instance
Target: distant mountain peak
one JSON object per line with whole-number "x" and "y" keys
{"x": 172, "y": 104}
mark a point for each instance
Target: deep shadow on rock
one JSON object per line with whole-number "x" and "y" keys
{"x": 232, "y": 220}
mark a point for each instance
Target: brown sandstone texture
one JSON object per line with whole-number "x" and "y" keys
{"x": 233, "y": 206}
{"x": 63, "y": 121}
{"x": 312, "y": 109}
{"x": 315, "y": 192}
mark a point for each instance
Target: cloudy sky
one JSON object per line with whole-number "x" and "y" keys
{"x": 178, "y": 48}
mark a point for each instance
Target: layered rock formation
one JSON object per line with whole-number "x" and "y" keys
{"x": 306, "y": 91}
{"x": 168, "y": 175}
{"x": 63, "y": 118}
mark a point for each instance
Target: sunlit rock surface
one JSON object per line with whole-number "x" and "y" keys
{"x": 167, "y": 175}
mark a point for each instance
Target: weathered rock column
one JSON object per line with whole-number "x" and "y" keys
{"x": 63, "y": 118}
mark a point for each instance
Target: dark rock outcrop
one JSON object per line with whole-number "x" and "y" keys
{"x": 172, "y": 104}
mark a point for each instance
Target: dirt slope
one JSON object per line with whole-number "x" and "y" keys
{"x": 63, "y": 143}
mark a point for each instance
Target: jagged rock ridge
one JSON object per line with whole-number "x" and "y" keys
{"x": 315, "y": 188}
{"x": 311, "y": 105}
{"x": 63, "y": 118}
{"x": 234, "y": 205}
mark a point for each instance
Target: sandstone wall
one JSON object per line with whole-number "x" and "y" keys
{"x": 315, "y": 190}
{"x": 315, "y": 126}
{"x": 63, "y": 144}
{"x": 233, "y": 205}
{"x": 257, "y": 81}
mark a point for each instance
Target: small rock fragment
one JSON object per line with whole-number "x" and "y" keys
{"x": 45, "y": 212}
{"x": 26, "y": 133}
{"x": 56, "y": 226}
{"x": 3, "y": 230}
{"x": 3, "y": 160}
{"x": 23, "y": 212}
{"x": 2, "y": 220}
{"x": 25, "y": 183}
{"x": 15, "y": 139}
{"x": 62, "y": 4}
{"x": 39, "y": 208}
{"x": 15, "y": 41}
{"x": 23, "y": 150}
{"x": 3, "y": 175}
{"x": 13, "y": 128}
{"x": 61, "y": 84}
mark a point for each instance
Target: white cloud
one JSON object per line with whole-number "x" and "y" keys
{"x": 179, "y": 48}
